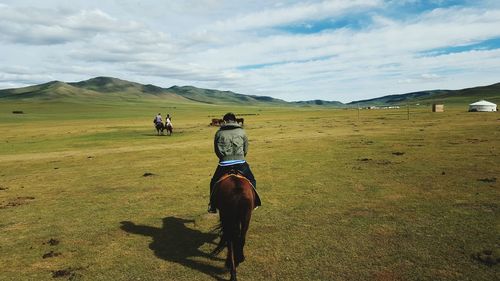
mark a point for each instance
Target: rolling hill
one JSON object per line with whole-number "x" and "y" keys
{"x": 108, "y": 88}
{"x": 319, "y": 103}
{"x": 468, "y": 95}
{"x": 112, "y": 88}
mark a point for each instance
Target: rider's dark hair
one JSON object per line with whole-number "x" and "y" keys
{"x": 229, "y": 117}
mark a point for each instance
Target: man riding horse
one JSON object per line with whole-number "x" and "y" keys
{"x": 158, "y": 119}
{"x": 158, "y": 122}
{"x": 231, "y": 147}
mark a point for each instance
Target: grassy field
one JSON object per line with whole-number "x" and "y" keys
{"x": 372, "y": 196}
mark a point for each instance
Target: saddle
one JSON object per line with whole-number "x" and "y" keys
{"x": 234, "y": 172}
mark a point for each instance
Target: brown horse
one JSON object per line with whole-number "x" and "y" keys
{"x": 234, "y": 197}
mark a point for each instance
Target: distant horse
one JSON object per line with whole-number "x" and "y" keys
{"x": 159, "y": 127}
{"x": 169, "y": 128}
{"x": 234, "y": 197}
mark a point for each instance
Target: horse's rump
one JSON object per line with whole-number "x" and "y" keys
{"x": 234, "y": 188}
{"x": 169, "y": 128}
{"x": 159, "y": 125}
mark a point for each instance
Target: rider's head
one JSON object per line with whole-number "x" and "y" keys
{"x": 159, "y": 113}
{"x": 229, "y": 117}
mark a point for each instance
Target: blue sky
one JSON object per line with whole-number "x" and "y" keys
{"x": 341, "y": 50}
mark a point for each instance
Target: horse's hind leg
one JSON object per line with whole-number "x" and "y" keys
{"x": 245, "y": 223}
{"x": 244, "y": 220}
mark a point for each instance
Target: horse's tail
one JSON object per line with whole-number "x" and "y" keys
{"x": 222, "y": 242}
{"x": 228, "y": 232}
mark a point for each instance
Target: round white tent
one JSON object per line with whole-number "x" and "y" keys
{"x": 483, "y": 106}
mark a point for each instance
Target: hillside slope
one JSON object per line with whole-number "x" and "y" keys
{"x": 95, "y": 89}
{"x": 112, "y": 88}
{"x": 463, "y": 96}
{"x": 319, "y": 103}
{"x": 217, "y": 97}
{"x": 47, "y": 91}
{"x": 109, "y": 89}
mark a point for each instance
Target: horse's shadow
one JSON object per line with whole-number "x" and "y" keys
{"x": 177, "y": 243}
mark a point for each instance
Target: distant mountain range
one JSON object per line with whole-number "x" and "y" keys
{"x": 468, "y": 95}
{"x": 108, "y": 88}
{"x": 113, "y": 88}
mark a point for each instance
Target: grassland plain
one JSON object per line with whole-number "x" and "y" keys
{"x": 374, "y": 197}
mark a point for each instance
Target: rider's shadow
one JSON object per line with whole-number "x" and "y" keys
{"x": 177, "y": 243}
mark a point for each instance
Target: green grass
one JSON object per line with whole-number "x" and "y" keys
{"x": 339, "y": 203}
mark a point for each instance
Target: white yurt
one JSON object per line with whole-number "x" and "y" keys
{"x": 483, "y": 106}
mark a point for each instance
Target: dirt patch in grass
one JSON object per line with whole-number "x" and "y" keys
{"x": 52, "y": 242}
{"x": 50, "y": 254}
{"x": 475, "y": 140}
{"x": 18, "y": 201}
{"x": 489, "y": 180}
{"x": 148, "y": 174}
{"x": 3, "y": 188}
{"x": 488, "y": 257}
{"x": 378, "y": 162}
{"x": 63, "y": 273}
{"x": 398, "y": 153}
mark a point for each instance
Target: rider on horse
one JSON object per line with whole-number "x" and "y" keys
{"x": 231, "y": 147}
{"x": 158, "y": 119}
{"x": 168, "y": 121}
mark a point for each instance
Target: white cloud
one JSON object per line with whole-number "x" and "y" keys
{"x": 217, "y": 45}
{"x": 45, "y": 26}
{"x": 290, "y": 14}
{"x": 96, "y": 21}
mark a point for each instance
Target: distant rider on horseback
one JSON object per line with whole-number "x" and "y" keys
{"x": 231, "y": 147}
{"x": 158, "y": 119}
{"x": 168, "y": 121}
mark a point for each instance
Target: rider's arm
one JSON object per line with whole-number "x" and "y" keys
{"x": 216, "y": 147}
{"x": 245, "y": 144}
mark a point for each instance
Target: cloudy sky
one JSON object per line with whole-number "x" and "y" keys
{"x": 294, "y": 50}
